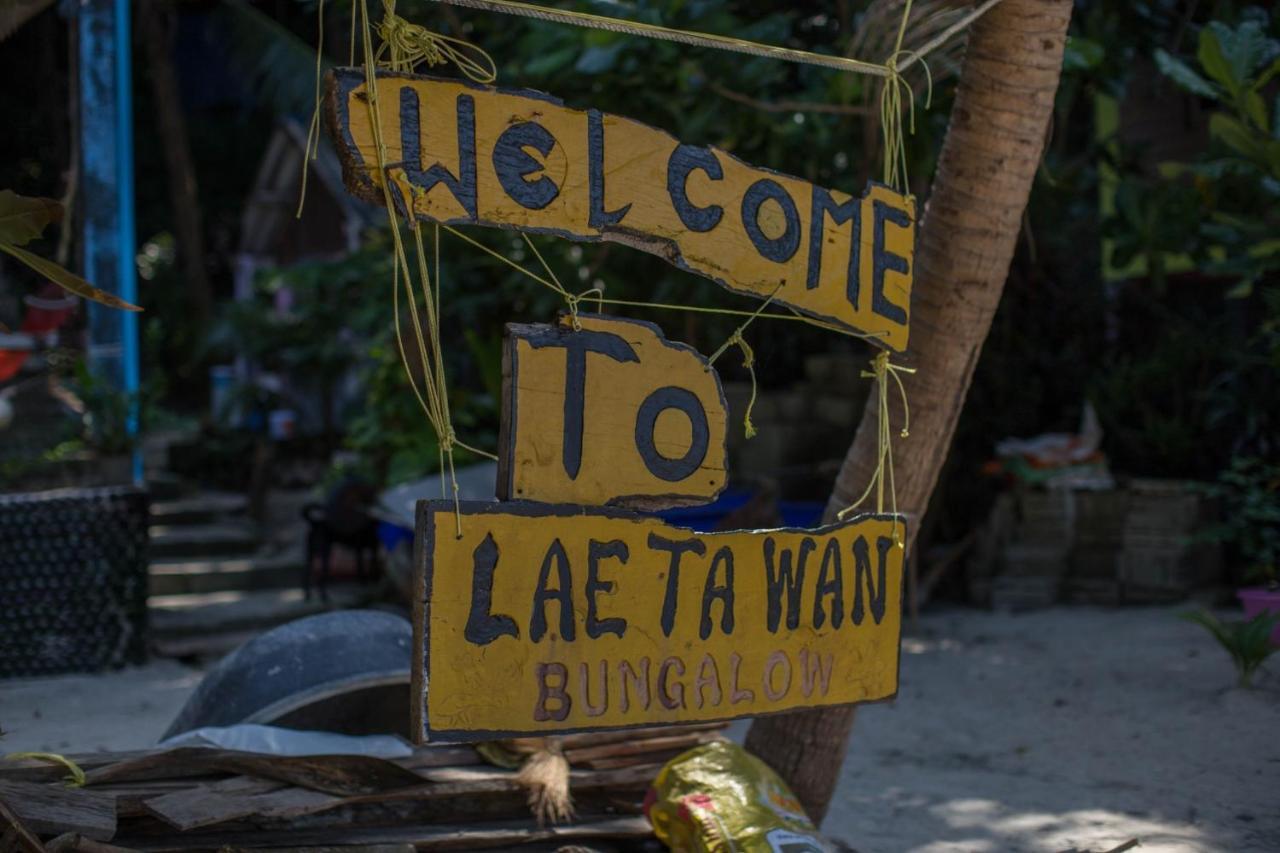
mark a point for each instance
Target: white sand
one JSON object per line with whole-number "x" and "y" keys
{"x": 1063, "y": 728}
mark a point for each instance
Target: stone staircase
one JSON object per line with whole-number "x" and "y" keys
{"x": 214, "y": 580}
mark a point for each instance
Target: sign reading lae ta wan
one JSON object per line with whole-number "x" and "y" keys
{"x": 462, "y": 153}
{"x": 543, "y": 618}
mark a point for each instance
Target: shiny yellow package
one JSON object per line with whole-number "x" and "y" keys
{"x": 719, "y": 798}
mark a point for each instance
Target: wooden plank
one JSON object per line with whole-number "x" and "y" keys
{"x": 497, "y": 834}
{"x": 609, "y": 414}
{"x": 457, "y": 152}
{"x": 54, "y": 809}
{"x": 584, "y": 739}
{"x": 16, "y": 836}
{"x": 34, "y": 770}
{"x": 638, "y": 748}
{"x": 72, "y": 842}
{"x": 332, "y": 774}
{"x": 576, "y": 619}
{"x": 239, "y": 796}
{"x": 440, "y": 755}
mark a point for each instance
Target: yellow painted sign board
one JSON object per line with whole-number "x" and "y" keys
{"x": 609, "y": 414}
{"x": 457, "y": 152}
{"x": 543, "y": 618}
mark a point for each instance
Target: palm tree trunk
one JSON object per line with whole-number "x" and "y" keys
{"x": 156, "y": 24}
{"x": 967, "y": 237}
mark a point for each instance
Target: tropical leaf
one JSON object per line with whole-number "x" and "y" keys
{"x": 1248, "y": 642}
{"x": 1256, "y": 109}
{"x": 1237, "y": 136}
{"x": 1182, "y": 74}
{"x": 1245, "y": 48}
{"x": 67, "y": 280}
{"x": 1214, "y": 61}
{"x": 23, "y": 219}
{"x": 1082, "y": 54}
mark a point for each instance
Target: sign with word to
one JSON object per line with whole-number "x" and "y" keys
{"x": 542, "y": 618}
{"x": 609, "y": 414}
{"x": 458, "y": 152}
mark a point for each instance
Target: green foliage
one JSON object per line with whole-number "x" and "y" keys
{"x": 1239, "y": 183}
{"x": 23, "y": 220}
{"x": 1247, "y": 641}
{"x": 109, "y": 412}
{"x": 1249, "y": 496}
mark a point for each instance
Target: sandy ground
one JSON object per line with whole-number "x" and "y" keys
{"x": 1060, "y": 729}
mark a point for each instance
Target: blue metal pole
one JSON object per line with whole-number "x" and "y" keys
{"x": 110, "y": 242}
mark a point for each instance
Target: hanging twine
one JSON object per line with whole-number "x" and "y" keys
{"x": 748, "y": 360}
{"x": 881, "y": 372}
{"x": 408, "y": 45}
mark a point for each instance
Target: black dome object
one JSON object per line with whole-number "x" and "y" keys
{"x": 345, "y": 671}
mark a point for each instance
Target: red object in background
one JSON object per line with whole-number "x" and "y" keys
{"x": 1260, "y": 599}
{"x": 47, "y": 311}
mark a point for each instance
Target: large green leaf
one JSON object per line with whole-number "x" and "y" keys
{"x": 67, "y": 280}
{"x": 1244, "y": 48}
{"x": 1256, "y": 109}
{"x": 1214, "y": 61}
{"x": 23, "y": 219}
{"x": 1179, "y": 72}
{"x": 1236, "y": 134}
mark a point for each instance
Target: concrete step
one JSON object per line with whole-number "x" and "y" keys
{"x": 246, "y": 574}
{"x": 241, "y": 611}
{"x": 165, "y": 485}
{"x": 195, "y": 620}
{"x": 203, "y": 541}
{"x": 200, "y": 508}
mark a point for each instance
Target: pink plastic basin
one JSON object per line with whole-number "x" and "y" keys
{"x": 1257, "y": 599}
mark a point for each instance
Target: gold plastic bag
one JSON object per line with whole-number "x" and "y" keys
{"x": 719, "y": 798}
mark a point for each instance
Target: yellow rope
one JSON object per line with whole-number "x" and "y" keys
{"x": 881, "y": 372}
{"x": 405, "y": 46}
{"x": 408, "y": 45}
{"x": 748, "y": 360}
{"x": 312, "y": 147}
{"x": 655, "y": 31}
{"x": 75, "y": 777}
{"x": 891, "y": 99}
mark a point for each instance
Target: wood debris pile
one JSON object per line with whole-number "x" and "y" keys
{"x": 442, "y": 797}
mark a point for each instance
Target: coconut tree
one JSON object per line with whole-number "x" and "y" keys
{"x": 968, "y": 231}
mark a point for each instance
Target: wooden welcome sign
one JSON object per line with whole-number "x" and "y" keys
{"x": 561, "y": 607}
{"x": 610, "y": 414}
{"x": 543, "y": 618}
{"x": 458, "y": 152}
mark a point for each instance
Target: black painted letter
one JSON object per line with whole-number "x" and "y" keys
{"x": 597, "y": 551}
{"x": 513, "y": 165}
{"x": 597, "y": 216}
{"x": 563, "y": 594}
{"x": 840, "y": 214}
{"x": 684, "y": 160}
{"x": 577, "y": 345}
{"x": 830, "y": 583}
{"x": 463, "y": 185}
{"x": 483, "y": 627}
{"x": 861, "y": 568}
{"x": 785, "y": 577}
{"x": 778, "y": 249}
{"x": 664, "y": 467}
{"x": 883, "y": 260}
{"x": 723, "y": 591}
{"x": 677, "y": 548}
